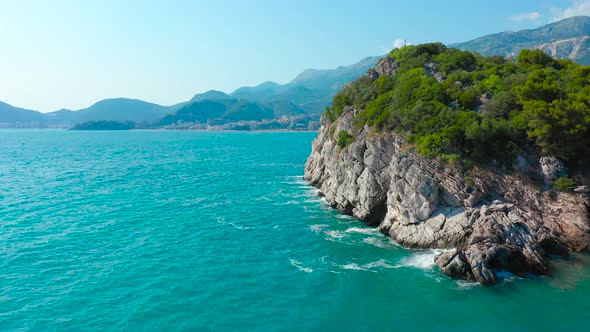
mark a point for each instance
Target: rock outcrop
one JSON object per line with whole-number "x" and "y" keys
{"x": 552, "y": 168}
{"x": 493, "y": 221}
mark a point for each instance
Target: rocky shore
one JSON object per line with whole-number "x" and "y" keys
{"x": 493, "y": 221}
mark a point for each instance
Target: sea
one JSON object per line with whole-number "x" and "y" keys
{"x": 218, "y": 231}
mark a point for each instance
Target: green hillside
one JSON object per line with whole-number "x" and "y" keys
{"x": 457, "y": 105}
{"x": 231, "y": 110}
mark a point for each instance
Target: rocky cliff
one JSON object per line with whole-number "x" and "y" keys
{"x": 492, "y": 221}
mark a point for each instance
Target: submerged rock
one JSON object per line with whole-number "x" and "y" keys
{"x": 493, "y": 221}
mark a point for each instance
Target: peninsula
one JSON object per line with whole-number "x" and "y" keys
{"x": 483, "y": 156}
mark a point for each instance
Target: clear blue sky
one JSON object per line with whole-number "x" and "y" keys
{"x": 71, "y": 54}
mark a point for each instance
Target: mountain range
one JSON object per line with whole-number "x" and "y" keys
{"x": 307, "y": 94}
{"x": 566, "y": 39}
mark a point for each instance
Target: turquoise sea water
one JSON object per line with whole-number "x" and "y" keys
{"x": 191, "y": 231}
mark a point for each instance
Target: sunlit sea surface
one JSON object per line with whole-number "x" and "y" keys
{"x": 217, "y": 231}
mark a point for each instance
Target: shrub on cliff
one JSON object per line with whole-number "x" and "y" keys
{"x": 564, "y": 184}
{"x": 484, "y": 109}
{"x": 344, "y": 139}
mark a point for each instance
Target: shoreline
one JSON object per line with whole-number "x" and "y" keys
{"x": 170, "y": 130}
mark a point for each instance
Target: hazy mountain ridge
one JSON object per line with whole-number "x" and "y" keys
{"x": 567, "y": 39}
{"x": 11, "y": 116}
{"x": 114, "y": 109}
{"x": 230, "y": 110}
{"x": 310, "y": 91}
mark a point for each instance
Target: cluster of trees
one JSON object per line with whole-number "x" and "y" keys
{"x": 455, "y": 104}
{"x": 105, "y": 125}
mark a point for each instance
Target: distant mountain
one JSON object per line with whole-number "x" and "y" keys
{"x": 210, "y": 95}
{"x": 333, "y": 79}
{"x": 282, "y": 108}
{"x": 230, "y": 110}
{"x": 262, "y": 91}
{"x": 311, "y": 90}
{"x": 309, "y": 93}
{"x": 566, "y": 39}
{"x": 116, "y": 109}
{"x": 11, "y": 116}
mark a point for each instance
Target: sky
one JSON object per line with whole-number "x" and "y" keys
{"x": 69, "y": 54}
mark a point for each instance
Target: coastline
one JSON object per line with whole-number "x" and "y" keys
{"x": 163, "y": 129}
{"x": 489, "y": 223}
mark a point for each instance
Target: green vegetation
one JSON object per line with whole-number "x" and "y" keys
{"x": 104, "y": 125}
{"x": 332, "y": 131}
{"x": 564, "y": 184}
{"x": 469, "y": 181}
{"x": 458, "y": 105}
{"x": 344, "y": 139}
{"x": 227, "y": 110}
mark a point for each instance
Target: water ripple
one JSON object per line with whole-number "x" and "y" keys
{"x": 166, "y": 231}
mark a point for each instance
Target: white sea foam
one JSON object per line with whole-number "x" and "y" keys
{"x": 335, "y": 234}
{"x": 297, "y": 195}
{"x": 346, "y": 220}
{"x": 296, "y": 180}
{"x": 239, "y": 227}
{"x": 380, "y": 263}
{"x": 300, "y": 266}
{"x": 288, "y": 203}
{"x": 352, "y": 266}
{"x": 462, "y": 284}
{"x": 298, "y": 177}
{"x": 325, "y": 260}
{"x": 317, "y": 228}
{"x": 422, "y": 260}
{"x": 222, "y": 221}
{"x": 312, "y": 196}
{"x": 506, "y": 276}
{"x": 313, "y": 201}
{"x": 380, "y": 242}
{"x": 364, "y": 230}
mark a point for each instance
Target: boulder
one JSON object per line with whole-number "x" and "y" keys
{"x": 386, "y": 67}
{"x": 552, "y": 168}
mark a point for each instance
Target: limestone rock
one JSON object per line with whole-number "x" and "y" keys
{"x": 552, "y": 168}
{"x": 431, "y": 69}
{"x": 421, "y": 204}
{"x": 386, "y": 67}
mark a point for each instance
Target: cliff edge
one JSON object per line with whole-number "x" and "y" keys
{"x": 494, "y": 222}
{"x": 489, "y": 220}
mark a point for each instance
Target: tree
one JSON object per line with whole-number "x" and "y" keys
{"x": 535, "y": 59}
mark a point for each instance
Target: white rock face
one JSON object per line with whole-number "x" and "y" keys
{"x": 495, "y": 222}
{"x": 552, "y": 168}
